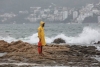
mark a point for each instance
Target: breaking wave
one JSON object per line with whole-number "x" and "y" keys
{"x": 87, "y": 36}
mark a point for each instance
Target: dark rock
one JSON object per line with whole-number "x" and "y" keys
{"x": 97, "y": 52}
{"x": 59, "y": 40}
{"x": 92, "y": 47}
{"x": 97, "y": 42}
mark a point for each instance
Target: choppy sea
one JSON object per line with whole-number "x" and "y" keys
{"x": 71, "y": 33}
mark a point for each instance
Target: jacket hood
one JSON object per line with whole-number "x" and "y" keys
{"x": 41, "y": 23}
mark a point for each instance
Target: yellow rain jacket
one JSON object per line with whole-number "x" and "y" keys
{"x": 41, "y": 34}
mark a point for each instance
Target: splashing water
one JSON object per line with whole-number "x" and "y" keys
{"x": 87, "y": 36}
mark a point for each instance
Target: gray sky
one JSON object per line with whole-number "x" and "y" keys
{"x": 9, "y": 5}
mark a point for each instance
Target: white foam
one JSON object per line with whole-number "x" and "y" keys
{"x": 8, "y": 39}
{"x": 87, "y": 36}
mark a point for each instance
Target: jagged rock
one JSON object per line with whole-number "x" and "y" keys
{"x": 16, "y": 42}
{"x": 59, "y": 40}
{"x": 20, "y": 51}
{"x": 3, "y": 46}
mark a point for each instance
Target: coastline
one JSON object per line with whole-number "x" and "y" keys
{"x": 22, "y": 54}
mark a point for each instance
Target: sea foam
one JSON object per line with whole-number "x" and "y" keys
{"x": 87, "y": 36}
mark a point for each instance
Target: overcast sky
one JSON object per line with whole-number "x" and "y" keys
{"x": 7, "y": 5}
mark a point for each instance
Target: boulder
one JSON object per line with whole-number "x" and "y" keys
{"x": 59, "y": 40}
{"x": 98, "y": 42}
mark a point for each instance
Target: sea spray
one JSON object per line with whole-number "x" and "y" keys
{"x": 87, "y": 36}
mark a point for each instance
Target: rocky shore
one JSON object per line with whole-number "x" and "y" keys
{"x": 22, "y": 54}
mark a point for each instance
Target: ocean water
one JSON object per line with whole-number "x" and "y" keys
{"x": 71, "y": 33}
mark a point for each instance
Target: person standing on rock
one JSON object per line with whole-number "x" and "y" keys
{"x": 41, "y": 36}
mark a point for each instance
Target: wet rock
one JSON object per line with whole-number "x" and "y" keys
{"x": 20, "y": 51}
{"x": 59, "y": 40}
{"x": 92, "y": 47}
{"x": 97, "y": 52}
{"x": 91, "y": 50}
{"x": 97, "y": 42}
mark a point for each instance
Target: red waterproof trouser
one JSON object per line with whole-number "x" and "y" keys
{"x": 39, "y": 47}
